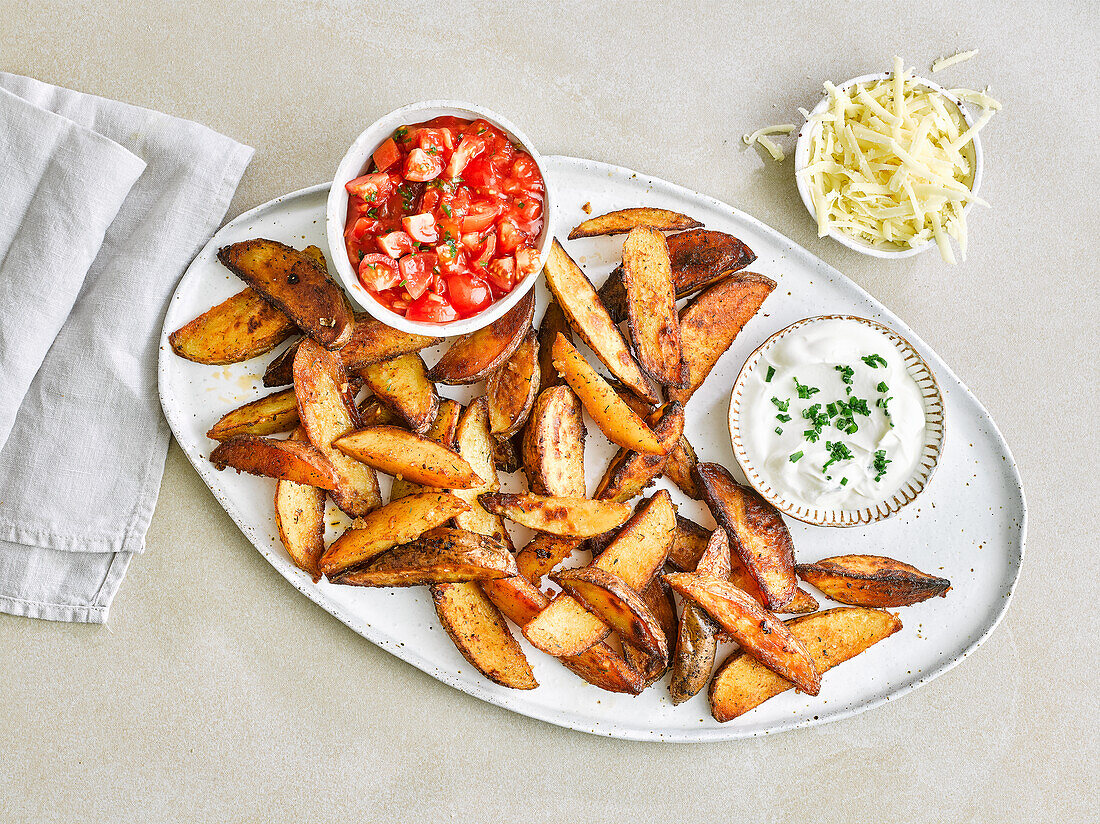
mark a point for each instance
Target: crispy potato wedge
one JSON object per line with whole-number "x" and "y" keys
{"x": 565, "y": 517}
{"x": 688, "y": 544}
{"x": 327, "y": 410}
{"x": 405, "y": 454}
{"x": 698, "y": 258}
{"x": 624, "y": 220}
{"x": 658, "y": 597}
{"x": 443, "y": 555}
{"x": 475, "y": 356}
{"x": 611, "y": 414}
{"x": 553, "y": 445}
{"x": 743, "y": 579}
{"x": 680, "y": 468}
{"x": 756, "y": 530}
{"x": 574, "y": 294}
{"x": 607, "y": 596}
{"x": 506, "y": 453}
{"x": 872, "y": 581}
{"x": 693, "y": 658}
{"x": 832, "y": 637}
{"x": 542, "y": 554}
{"x": 280, "y": 372}
{"x": 372, "y": 412}
{"x": 711, "y": 322}
{"x": 269, "y": 415}
{"x": 398, "y": 522}
{"x": 759, "y": 632}
{"x": 630, "y": 472}
{"x": 240, "y": 327}
{"x": 442, "y": 431}
{"x": 651, "y": 306}
{"x": 715, "y": 560}
{"x": 552, "y": 324}
{"x": 285, "y": 460}
{"x": 481, "y": 634}
{"x": 295, "y": 283}
{"x": 372, "y": 342}
{"x": 475, "y": 444}
{"x": 402, "y": 384}
{"x": 639, "y": 550}
{"x": 512, "y": 389}
{"x": 300, "y": 519}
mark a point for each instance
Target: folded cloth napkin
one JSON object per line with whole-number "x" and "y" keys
{"x": 102, "y": 207}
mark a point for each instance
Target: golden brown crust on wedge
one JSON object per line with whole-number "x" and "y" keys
{"x": 481, "y": 635}
{"x": 612, "y": 415}
{"x": 831, "y": 637}
{"x": 542, "y": 554}
{"x": 630, "y": 472}
{"x": 475, "y": 444}
{"x": 475, "y": 356}
{"x": 565, "y": 517}
{"x": 711, "y": 322}
{"x": 280, "y": 372}
{"x": 327, "y": 411}
{"x": 680, "y": 468}
{"x": 405, "y": 454}
{"x": 715, "y": 560}
{"x": 442, "y": 431}
{"x": 741, "y": 577}
{"x": 698, "y": 258}
{"x": 512, "y": 389}
{"x": 300, "y": 519}
{"x": 758, "y": 631}
{"x": 623, "y": 220}
{"x": 658, "y": 597}
{"x": 372, "y": 412}
{"x": 286, "y": 460}
{"x": 552, "y": 324}
{"x": 872, "y": 581}
{"x": 402, "y": 384}
{"x": 606, "y": 595}
{"x": 240, "y": 327}
{"x": 553, "y": 444}
{"x": 688, "y": 544}
{"x": 372, "y": 341}
{"x": 295, "y": 283}
{"x": 756, "y": 530}
{"x": 651, "y": 306}
{"x": 574, "y": 293}
{"x": 398, "y": 522}
{"x": 443, "y": 555}
{"x": 269, "y": 415}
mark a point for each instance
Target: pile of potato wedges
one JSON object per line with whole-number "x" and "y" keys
{"x": 617, "y": 585}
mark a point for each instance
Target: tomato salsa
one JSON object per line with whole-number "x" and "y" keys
{"x": 446, "y": 221}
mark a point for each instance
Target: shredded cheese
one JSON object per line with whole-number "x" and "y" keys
{"x": 761, "y": 136}
{"x": 891, "y": 163}
{"x": 953, "y": 60}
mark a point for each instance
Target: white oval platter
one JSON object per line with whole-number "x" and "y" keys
{"x": 968, "y": 526}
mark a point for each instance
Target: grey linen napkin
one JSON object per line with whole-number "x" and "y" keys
{"x": 104, "y": 206}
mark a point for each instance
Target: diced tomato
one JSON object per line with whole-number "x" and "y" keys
{"x": 431, "y": 308}
{"x": 480, "y": 217}
{"x": 386, "y": 155}
{"x": 452, "y": 260}
{"x": 421, "y": 227}
{"x": 501, "y": 274}
{"x": 525, "y": 170}
{"x": 526, "y": 261}
{"x": 488, "y": 249}
{"x": 508, "y": 235}
{"x": 378, "y": 272}
{"x": 421, "y": 166}
{"x": 416, "y": 272}
{"x": 371, "y": 188}
{"x": 469, "y": 294}
{"x": 438, "y": 139}
{"x": 528, "y": 207}
{"x": 470, "y": 147}
{"x": 395, "y": 244}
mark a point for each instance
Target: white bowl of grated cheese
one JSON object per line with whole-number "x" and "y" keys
{"x": 884, "y": 196}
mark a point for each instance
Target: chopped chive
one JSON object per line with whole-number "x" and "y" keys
{"x": 770, "y": 375}
{"x": 874, "y": 361}
{"x": 782, "y": 418}
{"x": 778, "y": 430}
{"x": 804, "y": 391}
{"x": 843, "y": 481}
{"x": 882, "y": 387}
{"x": 837, "y": 452}
{"x": 796, "y": 457}
{"x": 879, "y": 464}
{"x": 846, "y": 372}
{"x": 782, "y": 406}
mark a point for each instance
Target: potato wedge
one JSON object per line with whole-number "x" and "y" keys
{"x": 442, "y": 431}
{"x": 443, "y": 555}
{"x": 402, "y": 384}
{"x": 512, "y": 389}
{"x": 542, "y": 554}
{"x": 398, "y": 522}
{"x": 607, "y": 596}
{"x": 240, "y": 327}
{"x": 651, "y": 306}
{"x": 872, "y": 581}
{"x": 506, "y": 453}
{"x": 743, "y": 579}
{"x": 300, "y": 519}
{"x": 638, "y": 551}
{"x": 372, "y": 412}
{"x": 565, "y": 517}
{"x": 680, "y": 468}
{"x": 574, "y": 293}
{"x": 327, "y": 411}
{"x": 711, "y": 322}
{"x": 481, "y": 634}
{"x": 475, "y": 444}
{"x": 405, "y": 454}
{"x": 372, "y": 342}
{"x": 759, "y": 632}
{"x": 624, "y": 220}
{"x": 831, "y": 637}
{"x": 756, "y": 530}
{"x": 475, "y": 356}
{"x": 698, "y": 259}
{"x": 286, "y": 460}
{"x": 658, "y": 597}
{"x": 688, "y": 544}
{"x": 552, "y": 324}
{"x": 296, "y": 284}
{"x": 612, "y": 415}
{"x": 630, "y": 472}
{"x": 553, "y": 445}
{"x": 280, "y": 372}
{"x": 269, "y": 415}
{"x": 693, "y": 658}
{"x": 715, "y": 560}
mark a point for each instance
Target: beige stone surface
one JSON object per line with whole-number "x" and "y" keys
{"x": 218, "y": 693}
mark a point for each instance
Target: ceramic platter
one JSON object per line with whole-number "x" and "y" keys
{"x": 968, "y": 525}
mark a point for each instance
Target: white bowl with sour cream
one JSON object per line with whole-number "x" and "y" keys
{"x": 837, "y": 421}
